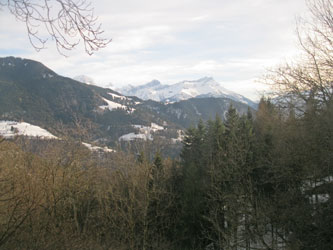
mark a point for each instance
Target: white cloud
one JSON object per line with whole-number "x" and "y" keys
{"x": 230, "y": 40}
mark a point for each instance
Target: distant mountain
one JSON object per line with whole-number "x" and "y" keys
{"x": 189, "y": 112}
{"x": 204, "y": 87}
{"x": 85, "y": 79}
{"x": 32, "y": 93}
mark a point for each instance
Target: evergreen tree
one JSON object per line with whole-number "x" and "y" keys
{"x": 141, "y": 158}
{"x": 194, "y": 186}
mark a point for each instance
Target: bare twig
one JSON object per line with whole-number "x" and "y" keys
{"x": 66, "y": 22}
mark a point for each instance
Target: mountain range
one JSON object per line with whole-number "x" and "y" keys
{"x": 32, "y": 93}
{"x": 203, "y": 87}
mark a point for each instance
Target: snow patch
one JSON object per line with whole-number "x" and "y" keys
{"x": 156, "y": 127}
{"x": 179, "y": 138}
{"x": 133, "y": 136}
{"x": 145, "y": 132}
{"x": 117, "y": 96}
{"x": 9, "y": 129}
{"x": 196, "y": 110}
{"x": 47, "y": 76}
{"x": 96, "y": 148}
{"x": 112, "y": 105}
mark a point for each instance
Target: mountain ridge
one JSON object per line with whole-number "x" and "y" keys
{"x": 33, "y": 93}
{"x": 184, "y": 90}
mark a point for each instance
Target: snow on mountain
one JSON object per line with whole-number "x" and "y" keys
{"x": 151, "y": 90}
{"x": 133, "y": 136}
{"x": 204, "y": 87}
{"x": 114, "y": 105}
{"x": 145, "y": 132}
{"x": 98, "y": 149}
{"x": 85, "y": 79}
{"x": 179, "y": 138}
{"x": 9, "y": 129}
{"x": 121, "y": 97}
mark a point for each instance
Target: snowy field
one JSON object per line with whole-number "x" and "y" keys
{"x": 9, "y": 129}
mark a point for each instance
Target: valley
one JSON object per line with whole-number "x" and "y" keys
{"x": 33, "y": 93}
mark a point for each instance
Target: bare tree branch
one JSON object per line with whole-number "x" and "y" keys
{"x": 310, "y": 78}
{"x": 66, "y": 22}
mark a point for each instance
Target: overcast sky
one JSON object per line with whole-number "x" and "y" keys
{"x": 233, "y": 41}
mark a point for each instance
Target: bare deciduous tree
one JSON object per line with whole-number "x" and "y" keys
{"x": 65, "y": 21}
{"x": 310, "y": 78}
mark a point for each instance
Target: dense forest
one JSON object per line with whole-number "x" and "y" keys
{"x": 254, "y": 181}
{"x": 262, "y": 182}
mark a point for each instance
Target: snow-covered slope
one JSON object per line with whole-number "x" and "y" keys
{"x": 10, "y": 129}
{"x": 111, "y": 105}
{"x": 144, "y": 132}
{"x": 204, "y": 87}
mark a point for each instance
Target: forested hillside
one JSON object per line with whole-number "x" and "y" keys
{"x": 246, "y": 183}
{"x": 31, "y": 92}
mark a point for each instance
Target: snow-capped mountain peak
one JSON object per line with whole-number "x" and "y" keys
{"x": 203, "y": 87}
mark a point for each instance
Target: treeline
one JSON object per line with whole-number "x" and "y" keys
{"x": 263, "y": 183}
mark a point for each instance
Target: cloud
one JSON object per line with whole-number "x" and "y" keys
{"x": 230, "y": 40}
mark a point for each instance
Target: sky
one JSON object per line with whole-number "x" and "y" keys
{"x": 233, "y": 41}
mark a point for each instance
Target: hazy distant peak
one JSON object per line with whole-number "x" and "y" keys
{"x": 85, "y": 79}
{"x": 203, "y": 80}
{"x": 200, "y": 81}
{"x": 109, "y": 85}
{"x": 153, "y": 83}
